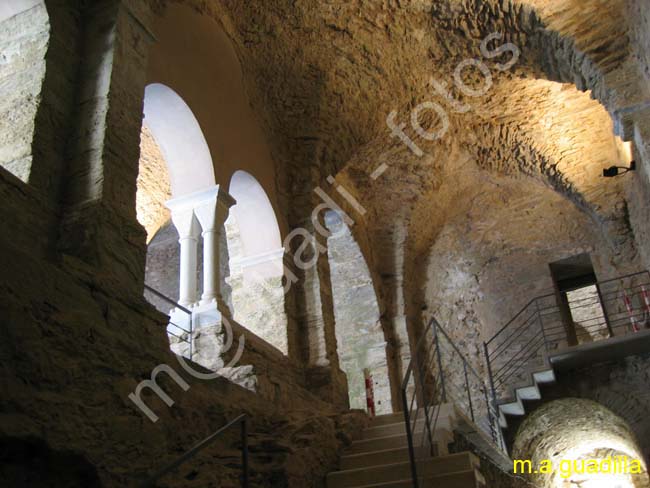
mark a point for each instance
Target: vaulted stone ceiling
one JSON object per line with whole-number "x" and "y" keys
{"x": 324, "y": 75}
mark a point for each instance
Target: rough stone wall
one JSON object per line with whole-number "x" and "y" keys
{"x": 359, "y": 335}
{"x": 621, "y": 386}
{"x": 577, "y": 429}
{"x": 307, "y": 97}
{"x": 162, "y": 271}
{"x": 24, "y": 41}
{"x": 639, "y": 16}
{"x": 98, "y": 226}
{"x": 79, "y": 337}
{"x": 85, "y": 387}
{"x": 70, "y": 362}
{"x": 154, "y": 188}
{"x": 491, "y": 257}
{"x": 257, "y": 302}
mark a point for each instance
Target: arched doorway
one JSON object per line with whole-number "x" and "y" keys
{"x": 183, "y": 211}
{"x": 359, "y": 336}
{"x": 256, "y": 269}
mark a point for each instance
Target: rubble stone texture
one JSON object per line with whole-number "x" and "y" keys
{"x": 463, "y": 231}
{"x": 23, "y": 44}
{"x": 154, "y": 189}
{"x": 576, "y": 429}
{"x": 257, "y": 302}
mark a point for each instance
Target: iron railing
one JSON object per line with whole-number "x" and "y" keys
{"x": 590, "y": 313}
{"x": 242, "y": 420}
{"x": 439, "y": 373}
{"x": 184, "y": 331}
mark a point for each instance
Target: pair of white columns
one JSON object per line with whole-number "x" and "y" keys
{"x": 203, "y": 213}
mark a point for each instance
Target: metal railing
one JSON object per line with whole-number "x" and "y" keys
{"x": 242, "y": 420}
{"x": 590, "y": 313}
{"x": 183, "y": 332}
{"x": 434, "y": 376}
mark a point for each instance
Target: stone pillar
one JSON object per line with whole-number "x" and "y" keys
{"x": 101, "y": 131}
{"x": 211, "y": 208}
{"x": 188, "y": 232}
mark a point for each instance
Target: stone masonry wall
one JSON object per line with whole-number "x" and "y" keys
{"x": 78, "y": 335}
{"x": 257, "y": 302}
{"x": 23, "y": 45}
{"x": 360, "y": 340}
{"x": 576, "y": 429}
{"x": 491, "y": 258}
{"x": 621, "y": 386}
{"x": 154, "y": 188}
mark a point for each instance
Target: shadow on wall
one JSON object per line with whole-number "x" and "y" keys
{"x": 32, "y": 463}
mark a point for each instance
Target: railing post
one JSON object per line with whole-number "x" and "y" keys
{"x": 409, "y": 438}
{"x": 489, "y": 368}
{"x": 469, "y": 393}
{"x": 541, "y": 324}
{"x": 424, "y": 402}
{"x": 244, "y": 452}
{"x": 490, "y": 419}
{"x": 442, "y": 373}
{"x": 602, "y": 305}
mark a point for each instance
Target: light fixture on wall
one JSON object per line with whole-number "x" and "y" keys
{"x": 616, "y": 170}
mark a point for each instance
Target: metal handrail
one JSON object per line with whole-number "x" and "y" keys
{"x": 549, "y": 331}
{"x": 517, "y": 315}
{"x": 243, "y": 419}
{"x": 190, "y": 332}
{"x": 429, "y": 369}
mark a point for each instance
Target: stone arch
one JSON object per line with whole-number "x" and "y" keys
{"x": 180, "y": 138}
{"x": 361, "y": 344}
{"x": 256, "y": 262}
{"x": 175, "y": 162}
{"x": 573, "y": 429}
{"x": 258, "y": 226}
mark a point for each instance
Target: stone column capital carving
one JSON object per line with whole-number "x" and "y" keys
{"x": 210, "y": 208}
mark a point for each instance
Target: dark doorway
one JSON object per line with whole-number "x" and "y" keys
{"x": 579, "y": 299}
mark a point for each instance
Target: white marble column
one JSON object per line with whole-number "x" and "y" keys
{"x": 211, "y": 209}
{"x": 188, "y": 232}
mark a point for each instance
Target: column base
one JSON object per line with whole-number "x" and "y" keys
{"x": 206, "y": 314}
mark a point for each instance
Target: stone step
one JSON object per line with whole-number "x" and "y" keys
{"x": 385, "y": 430}
{"x": 463, "y": 479}
{"x": 378, "y": 458}
{"x": 391, "y": 418}
{"x": 377, "y": 444}
{"x": 442, "y": 437}
{"x": 431, "y": 467}
{"x": 388, "y": 428}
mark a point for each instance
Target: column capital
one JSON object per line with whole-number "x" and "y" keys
{"x": 213, "y": 194}
{"x": 185, "y": 223}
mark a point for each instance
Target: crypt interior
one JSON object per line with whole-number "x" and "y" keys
{"x": 324, "y": 243}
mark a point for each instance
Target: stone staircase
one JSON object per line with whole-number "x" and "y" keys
{"x": 380, "y": 459}
{"x": 528, "y": 391}
{"x": 538, "y": 386}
